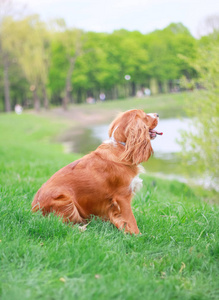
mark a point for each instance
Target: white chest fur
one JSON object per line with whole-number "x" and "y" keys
{"x": 136, "y": 183}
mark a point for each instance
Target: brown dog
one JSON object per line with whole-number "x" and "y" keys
{"x": 102, "y": 183}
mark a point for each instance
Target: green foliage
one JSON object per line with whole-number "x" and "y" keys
{"x": 26, "y": 40}
{"x": 164, "y": 48}
{"x": 63, "y": 47}
{"x": 58, "y": 67}
{"x": 71, "y": 62}
{"x": 176, "y": 257}
{"x": 202, "y": 143}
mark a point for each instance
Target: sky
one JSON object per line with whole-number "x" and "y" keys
{"x": 142, "y": 15}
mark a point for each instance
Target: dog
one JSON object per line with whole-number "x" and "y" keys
{"x": 103, "y": 182}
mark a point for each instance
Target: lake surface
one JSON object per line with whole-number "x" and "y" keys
{"x": 165, "y": 162}
{"x": 164, "y": 145}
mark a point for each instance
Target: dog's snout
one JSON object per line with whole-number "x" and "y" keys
{"x": 157, "y": 115}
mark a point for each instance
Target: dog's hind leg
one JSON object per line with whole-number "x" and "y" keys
{"x": 70, "y": 213}
{"x": 60, "y": 203}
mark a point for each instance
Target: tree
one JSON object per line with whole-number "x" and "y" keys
{"x": 67, "y": 46}
{"x": 5, "y": 59}
{"x": 27, "y": 40}
{"x": 72, "y": 64}
{"x": 95, "y": 69}
{"x": 5, "y": 9}
{"x": 134, "y": 59}
{"x": 200, "y": 146}
{"x": 8, "y": 8}
{"x": 165, "y": 48}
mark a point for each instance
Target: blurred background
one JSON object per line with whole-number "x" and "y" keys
{"x": 87, "y": 60}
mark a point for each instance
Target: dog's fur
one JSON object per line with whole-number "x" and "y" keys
{"x": 102, "y": 183}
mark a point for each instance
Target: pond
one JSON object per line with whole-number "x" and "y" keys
{"x": 164, "y": 146}
{"x": 164, "y": 162}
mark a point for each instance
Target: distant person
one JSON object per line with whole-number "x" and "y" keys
{"x": 139, "y": 94}
{"x": 102, "y": 96}
{"x": 18, "y": 109}
{"x": 90, "y": 100}
{"x": 147, "y": 92}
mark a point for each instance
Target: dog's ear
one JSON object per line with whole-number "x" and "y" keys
{"x": 115, "y": 123}
{"x": 138, "y": 143}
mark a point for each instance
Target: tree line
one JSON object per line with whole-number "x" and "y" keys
{"x": 44, "y": 64}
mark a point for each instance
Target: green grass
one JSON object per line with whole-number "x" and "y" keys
{"x": 167, "y": 105}
{"x": 176, "y": 257}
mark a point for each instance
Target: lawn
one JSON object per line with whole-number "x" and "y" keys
{"x": 167, "y": 105}
{"x": 176, "y": 257}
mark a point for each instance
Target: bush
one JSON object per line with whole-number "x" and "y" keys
{"x": 200, "y": 145}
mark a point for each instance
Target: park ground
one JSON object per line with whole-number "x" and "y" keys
{"x": 176, "y": 257}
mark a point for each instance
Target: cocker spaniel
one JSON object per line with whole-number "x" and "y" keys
{"x": 103, "y": 182}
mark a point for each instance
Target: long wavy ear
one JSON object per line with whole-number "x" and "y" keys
{"x": 115, "y": 124}
{"x": 138, "y": 143}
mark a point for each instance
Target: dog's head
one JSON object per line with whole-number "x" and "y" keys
{"x": 135, "y": 129}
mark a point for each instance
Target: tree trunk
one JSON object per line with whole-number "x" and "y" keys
{"x": 160, "y": 87}
{"x": 6, "y": 84}
{"x": 79, "y": 95}
{"x": 126, "y": 90}
{"x": 68, "y": 87}
{"x": 45, "y": 99}
{"x": 36, "y": 100}
{"x": 133, "y": 89}
{"x": 170, "y": 83}
{"x": 115, "y": 92}
{"x": 66, "y": 99}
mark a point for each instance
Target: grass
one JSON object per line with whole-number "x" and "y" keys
{"x": 157, "y": 103}
{"x": 176, "y": 257}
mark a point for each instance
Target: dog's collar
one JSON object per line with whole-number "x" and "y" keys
{"x": 122, "y": 143}
{"x": 113, "y": 139}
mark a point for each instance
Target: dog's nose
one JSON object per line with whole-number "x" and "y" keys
{"x": 157, "y": 115}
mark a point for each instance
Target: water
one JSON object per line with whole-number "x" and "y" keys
{"x": 164, "y": 146}
{"x": 165, "y": 162}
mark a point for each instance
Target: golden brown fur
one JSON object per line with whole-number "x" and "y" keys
{"x": 100, "y": 183}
